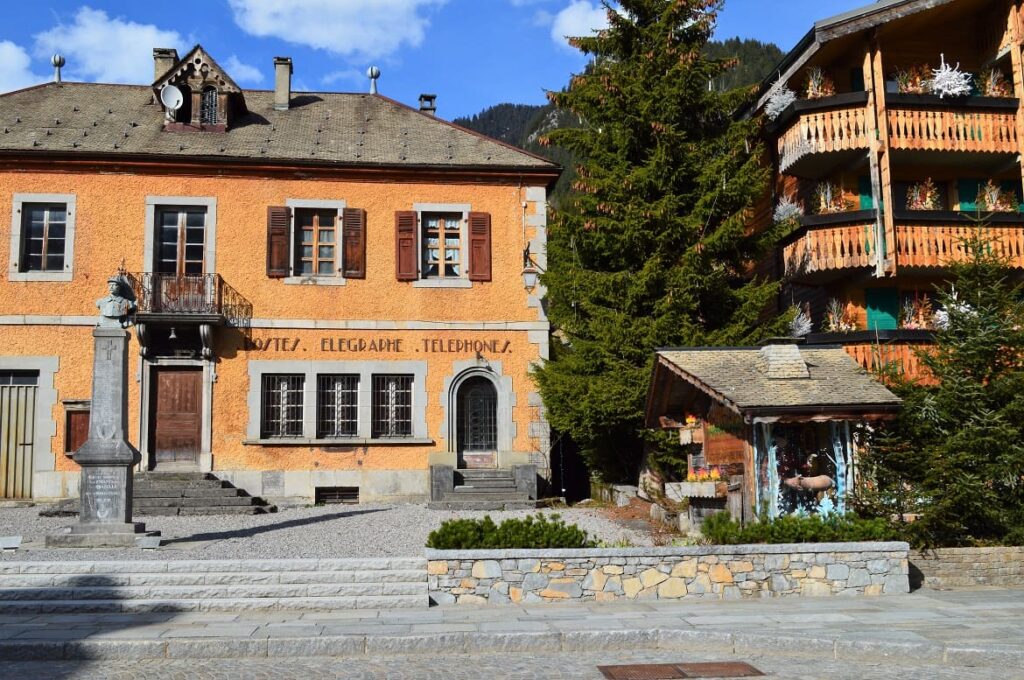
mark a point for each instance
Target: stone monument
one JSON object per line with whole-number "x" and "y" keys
{"x": 106, "y": 458}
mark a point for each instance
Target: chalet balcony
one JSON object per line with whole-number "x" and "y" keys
{"x": 936, "y": 238}
{"x": 817, "y": 135}
{"x": 928, "y": 123}
{"x": 189, "y": 298}
{"x": 884, "y": 351}
{"x": 830, "y": 243}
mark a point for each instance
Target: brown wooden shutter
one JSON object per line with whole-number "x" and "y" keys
{"x": 353, "y": 222}
{"x": 278, "y": 223}
{"x": 479, "y": 246}
{"x": 405, "y": 245}
{"x": 76, "y": 431}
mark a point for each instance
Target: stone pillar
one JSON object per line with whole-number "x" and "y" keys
{"x": 106, "y": 458}
{"x": 526, "y": 480}
{"x": 442, "y": 481}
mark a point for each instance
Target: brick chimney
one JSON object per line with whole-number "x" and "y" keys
{"x": 779, "y": 360}
{"x": 428, "y": 103}
{"x": 163, "y": 59}
{"x": 282, "y": 83}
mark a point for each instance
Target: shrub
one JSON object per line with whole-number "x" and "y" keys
{"x": 531, "y": 532}
{"x": 721, "y": 529}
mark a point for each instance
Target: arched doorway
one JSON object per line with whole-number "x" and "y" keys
{"x": 477, "y": 418}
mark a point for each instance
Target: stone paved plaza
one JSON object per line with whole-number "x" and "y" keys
{"x": 575, "y": 666}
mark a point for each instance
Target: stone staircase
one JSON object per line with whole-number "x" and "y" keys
{"x": 484, "y": 489}
{"x": 193, "y": 493}
{"x": 212, "y": 585}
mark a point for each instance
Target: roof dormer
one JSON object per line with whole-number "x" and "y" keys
{"x": 210, "y": 98}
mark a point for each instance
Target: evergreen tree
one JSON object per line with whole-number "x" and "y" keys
{"x": 652, "y": 247}
{"x": 955, "y": 455}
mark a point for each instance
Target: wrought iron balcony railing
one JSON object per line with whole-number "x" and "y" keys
{"x": 190, "y": 295}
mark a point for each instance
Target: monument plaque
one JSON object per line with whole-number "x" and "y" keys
{"x": 107, "y": 458}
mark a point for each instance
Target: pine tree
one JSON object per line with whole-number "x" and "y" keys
{"x": 955, "y": 455}
{"x": 652, "y": 247}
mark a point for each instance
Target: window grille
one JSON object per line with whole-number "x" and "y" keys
{"x": 282, "y": 406}
{"x": 44, "y": 228}
{"x": 337, "y": 399}
{"x": 392, "y": 406}
{"x": 330, "y": 495}
{"x": 208, "y": 107}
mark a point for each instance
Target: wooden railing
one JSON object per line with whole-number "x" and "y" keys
{"x": 952, "y": 128}
{"x": 925, "y": 245}
{"x": 823, "y": 131}
{"x": 833, "y": 247}
{"x": 885, "y": 358}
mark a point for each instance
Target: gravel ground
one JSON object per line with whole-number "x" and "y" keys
{"x": 334, "y": 531}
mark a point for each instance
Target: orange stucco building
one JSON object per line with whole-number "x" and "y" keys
{"x": 333, "y": 290}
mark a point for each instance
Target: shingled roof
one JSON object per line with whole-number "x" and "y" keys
{"x": 332, "y": 129}
{"x": 763, "y": 378}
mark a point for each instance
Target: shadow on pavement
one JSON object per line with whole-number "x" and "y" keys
{"x": 249, "y": 532}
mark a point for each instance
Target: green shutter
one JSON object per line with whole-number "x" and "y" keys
{"x": 968, "y": 190}
{"x": 857, "y": 80}
{"x": 883, "y": 308}
{"x": 867, "y": 199}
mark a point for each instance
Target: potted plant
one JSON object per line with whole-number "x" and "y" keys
{"x": 992, "y": 198}
{"x": 818, "y": 84}
{"x": 838, "y": 318}
{"x": 700, "y": 483}
{"x": 923, "y": 196}
{"x": 914, "y": 80}
{"x": 992, "y": 83}
{"x": 829, "y": 199}
{"x": 917, "y": 314}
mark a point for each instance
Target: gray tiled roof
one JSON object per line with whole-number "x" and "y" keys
{"x": 321, "y": 128}
{"x": 739, "y": 375}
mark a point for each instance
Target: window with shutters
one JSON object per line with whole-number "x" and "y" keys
{"x": 443, "y": 246}
{"x": 316, "y": 242}
{"x": 42, "y": 238}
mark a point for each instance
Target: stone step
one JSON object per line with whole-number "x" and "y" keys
{"x": 189, "y": 492}
{"x": 201, "y": 501}
{"x": 485, "y": 472}
{"x": 464, "y": 493}
{"x": 410, "y": 576}
{"x": 417, "y": 601}
{"x": 381, "y": 564}
{"x": 476, "y": 505}
{"x": 174, "y": 476}
{"x": 181, "y": 486}
{"x": 165, "y": 511}
{"x": 484, "y": 483}
{"x": 194, "y": 592}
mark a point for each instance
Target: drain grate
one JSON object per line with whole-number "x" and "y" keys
{"x": 330, "y": 495}
{"x": 680, "y": 671}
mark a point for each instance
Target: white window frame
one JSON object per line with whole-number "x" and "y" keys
{"x": 70, "y": 203}
{"x": 462, "y": 281}
{"x": 294, "y": 278}
{"x": 365, "y": 370}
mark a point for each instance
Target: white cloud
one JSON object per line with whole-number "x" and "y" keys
{"x": 347, "y": 27}
{"x": 580, "y": 18}
{"x": 524, "y": 3}
{"x": 16, "y": 72}
{"x": 542, "y": 17}
{"x": 105, "y": 49}
{"x": 242, "y": 73}
{"x": 348, "y": 75}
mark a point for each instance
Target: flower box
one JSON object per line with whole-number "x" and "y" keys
{"x": 678, "y": 491}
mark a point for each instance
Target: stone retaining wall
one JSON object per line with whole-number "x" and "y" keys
{"x": 963, "y": 567}
{"x": 714, "y": 572}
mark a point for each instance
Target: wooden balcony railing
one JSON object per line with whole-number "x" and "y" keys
{"x": 831, "y": 247}
{"x": 821, "y": 131}
{"x": 938, "y": 245}
{"x": 198, "y": 296}
{"x": 924, "y": 123}
{"x": 885, "y": 352}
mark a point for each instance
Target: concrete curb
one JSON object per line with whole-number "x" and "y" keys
{"x": 354, "y": 646}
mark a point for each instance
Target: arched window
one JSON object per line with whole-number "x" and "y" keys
{"x": 208, "y": 107}
{"x": 477, "y": 416}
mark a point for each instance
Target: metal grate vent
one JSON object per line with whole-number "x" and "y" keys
{"x": 333, "y": 495}
{"x": 680, "y": 671}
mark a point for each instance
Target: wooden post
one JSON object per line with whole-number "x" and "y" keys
{"x": 888, "y": 248}
{"x": 1014, "y": 19}
{"x": 871, "y": 129}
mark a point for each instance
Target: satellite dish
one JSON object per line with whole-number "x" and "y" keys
{"x": 171, "y": 98}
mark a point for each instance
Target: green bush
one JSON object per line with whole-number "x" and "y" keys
{"x": 721, "y": 529}
{"x": 531, "y": 532}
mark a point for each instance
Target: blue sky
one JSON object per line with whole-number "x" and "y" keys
{"x": 471, "y": 53}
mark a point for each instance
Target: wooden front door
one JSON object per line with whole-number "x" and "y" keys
{"x": 176, "y": 415}
{"x": 478, "y": 424}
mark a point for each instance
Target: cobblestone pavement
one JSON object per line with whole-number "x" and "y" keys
{"x": 574, "y": 666}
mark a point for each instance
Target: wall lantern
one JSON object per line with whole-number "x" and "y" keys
{"x": 531, "y": 271}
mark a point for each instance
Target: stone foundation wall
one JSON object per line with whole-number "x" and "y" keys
{"x": 712, "y": 572}
{"x": 964, "y": 567}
